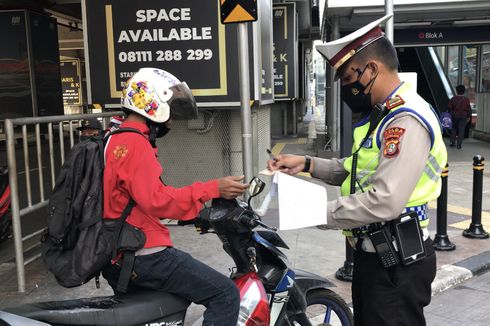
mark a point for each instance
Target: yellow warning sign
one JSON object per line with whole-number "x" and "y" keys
{"x": 238, "y": 11}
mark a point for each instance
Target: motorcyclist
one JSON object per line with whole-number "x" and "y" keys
{"x": 151, "y": 98}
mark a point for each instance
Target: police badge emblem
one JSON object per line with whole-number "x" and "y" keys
{"x": 392, "y": 140}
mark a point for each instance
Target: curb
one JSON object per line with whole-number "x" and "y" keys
{"x": 450, "y": 275}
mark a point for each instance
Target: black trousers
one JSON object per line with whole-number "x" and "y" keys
{"x": 459, "y": 125}
{"x": 174, "y": 271}
{"x": 394, "y": 296}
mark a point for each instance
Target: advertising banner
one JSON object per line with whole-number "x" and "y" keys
{"x": 184, "y": 37}
{"x": 285, "y": 51}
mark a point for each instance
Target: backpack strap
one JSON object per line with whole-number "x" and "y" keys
{"x": 126, "y": 271}
{"x": 128, "y": 257}
{"x": 121, "y": 130}
{"x": 120, "y": 222}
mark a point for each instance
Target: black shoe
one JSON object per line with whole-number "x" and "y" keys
{"x": 451, "y": 145}
{"x": 459, "y": 147}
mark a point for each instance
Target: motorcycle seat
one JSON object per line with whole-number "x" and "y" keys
{"x": 136, "y": 308}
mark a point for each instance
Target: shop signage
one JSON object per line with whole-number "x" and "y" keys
{"x": 70, "y": 82}
{"x": 442, "y": 35}
{"x": 285, "y": 51}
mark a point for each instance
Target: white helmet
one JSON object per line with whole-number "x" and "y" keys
{"x": 158, "y": 96}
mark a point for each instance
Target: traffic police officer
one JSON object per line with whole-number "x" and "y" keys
{"x": 400, "y": 156}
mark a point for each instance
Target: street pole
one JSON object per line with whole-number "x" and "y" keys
{"x": 342, "y": 121}
{"x": 243, "y": 67}
{"x": 389, "y": 29}
{"x": 335, "y": 102}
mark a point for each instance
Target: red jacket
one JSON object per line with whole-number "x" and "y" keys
{"x": 132, "y": 169}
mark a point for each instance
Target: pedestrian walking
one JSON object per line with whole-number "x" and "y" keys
{"x": 460, "y": 109}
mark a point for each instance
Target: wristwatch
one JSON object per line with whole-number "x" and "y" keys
{"x": 307, "y": 163}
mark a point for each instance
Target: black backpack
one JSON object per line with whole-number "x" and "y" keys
{"x": 78, "y": 242}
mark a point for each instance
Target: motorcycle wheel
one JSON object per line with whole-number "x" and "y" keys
{"x": 325, "y": 307}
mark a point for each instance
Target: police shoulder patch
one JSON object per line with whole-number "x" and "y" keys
{"x": 392, "y": 141}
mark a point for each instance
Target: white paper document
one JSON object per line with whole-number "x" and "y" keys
{"x": 301, "y": 203}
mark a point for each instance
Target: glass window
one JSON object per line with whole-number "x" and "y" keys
{"x": 441, "y": 53}
{"x": 453, "y": 65}
{"x": 485, "y": 68}
{"x": 470, "y": 60}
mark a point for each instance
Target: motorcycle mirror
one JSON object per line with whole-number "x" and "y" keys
{"x": 255, "y": 187}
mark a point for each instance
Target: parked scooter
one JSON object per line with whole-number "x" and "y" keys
{"x": 5, "y": 216}
{"x": 271, "y": 293}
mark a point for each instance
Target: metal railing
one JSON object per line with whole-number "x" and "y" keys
{"x": 66, "y": 127}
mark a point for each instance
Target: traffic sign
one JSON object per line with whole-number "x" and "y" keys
{"x": 238, "y": 11}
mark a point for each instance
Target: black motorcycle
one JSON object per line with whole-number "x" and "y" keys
{"x": 271, "y": 292}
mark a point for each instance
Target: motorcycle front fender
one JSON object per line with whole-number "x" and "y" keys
{"x": 308, "y": 281}
{"x": 304, "y": 282}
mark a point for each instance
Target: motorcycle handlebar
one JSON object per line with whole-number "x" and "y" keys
{"x": 253, "y": 220}
{"x": 248, "y": 218}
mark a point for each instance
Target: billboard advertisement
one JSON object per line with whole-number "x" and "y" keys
{"x": 183, "y": 37}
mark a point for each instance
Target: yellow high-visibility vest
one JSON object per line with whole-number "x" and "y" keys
{"x": 429, "y": 185}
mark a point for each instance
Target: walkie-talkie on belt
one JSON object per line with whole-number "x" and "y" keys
{"x": 383, "y": 244}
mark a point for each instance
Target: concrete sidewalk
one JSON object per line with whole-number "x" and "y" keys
{"x": 312, "y": 249}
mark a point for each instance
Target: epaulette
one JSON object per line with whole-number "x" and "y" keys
{"x": 394, "y": 102}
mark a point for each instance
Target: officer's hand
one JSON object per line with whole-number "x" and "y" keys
{"x": 230, "y": 187}
{"x": 287, "y": 163}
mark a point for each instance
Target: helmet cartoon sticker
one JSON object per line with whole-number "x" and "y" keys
{"x": 142, "y": 97}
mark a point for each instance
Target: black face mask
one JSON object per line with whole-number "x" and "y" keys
{"x": 157, "y": 130}
{"x": 162, "y": 130}
{"x": 353, "y": 94}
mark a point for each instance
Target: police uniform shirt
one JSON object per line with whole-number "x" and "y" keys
{"x": 393, "y": 182}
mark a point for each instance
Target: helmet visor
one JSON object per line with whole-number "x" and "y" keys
{"x": 182, "y": 103}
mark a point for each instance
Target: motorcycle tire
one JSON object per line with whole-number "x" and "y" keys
{"x": 322, "y": 304}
